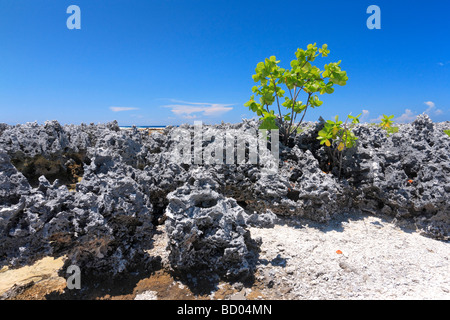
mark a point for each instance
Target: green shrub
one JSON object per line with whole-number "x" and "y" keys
{"x": 302, "y": 77}
{"x": 386, "y": 124}
{"x": 447, "y": 132}
{"x": 337, "y": 137}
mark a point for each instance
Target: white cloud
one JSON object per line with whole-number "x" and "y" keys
{"x": 194, "y": 116}
{"x": 190, "y": 110}
{"x": 119, "y": 109}
{"x": 364, "y": 116}
{"x": 430, "y": 104}
{"x": 407, "y": 116}
{"x": 376, "y": 119}
{"x": 431, "y": 110}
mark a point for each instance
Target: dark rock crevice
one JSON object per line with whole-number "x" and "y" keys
{"x": 67, "y": 168}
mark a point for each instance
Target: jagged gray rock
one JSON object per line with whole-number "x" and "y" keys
{"x": 207, "y": 232}
{"x": 93, "y": 192}
{"x": 13, "y": 184}
{"x": 406, "y": 174}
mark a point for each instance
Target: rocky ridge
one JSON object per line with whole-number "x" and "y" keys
{"x": 95, "y": 193}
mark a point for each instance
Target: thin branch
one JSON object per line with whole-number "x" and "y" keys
{"x": 288, "y": 129}
{"x": 304, "y": 113}
{"x": 301, "y": 88}
{"x": 307, "y": 104}
{"x": 290, "y": 92}
{"x": 341, "y": 154}
{"x": 276, "y": 95}
{"x": 301, "y": 120}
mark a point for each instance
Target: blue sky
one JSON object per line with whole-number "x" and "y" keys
{"x": 161, "y": 62}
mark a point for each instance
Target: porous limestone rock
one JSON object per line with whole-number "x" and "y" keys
{"x": 93, "y": 192}
{"x": 207, "y": 232}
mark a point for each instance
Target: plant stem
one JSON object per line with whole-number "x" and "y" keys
{"x": 341, "y": 154}
{"x": 288, "y": 129}
{"x": 301, "y": 120}
{"x": 276, "y": 95}
{"x": 290, "y": 92}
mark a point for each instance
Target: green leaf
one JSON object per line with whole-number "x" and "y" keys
{"x": 300, "y": 54}
{"x": 299, "y": 106}
{"x": 323, "y": 133}
{"x": 294, "y": 64}
{"x": 259, "y": 67}
{"x": 269, "y": 124}
{"x": 315, "y": 102}
{"x": 287, "y": 103}
{"x": 355, "y": 119}
{"x": 312, "y": 47}
{"x": 274, "y": 59}
{"x": 249, "y": 103}
{"x": 324, "y": 51}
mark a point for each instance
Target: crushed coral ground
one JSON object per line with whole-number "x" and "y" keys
{"x": 351, "y": 257}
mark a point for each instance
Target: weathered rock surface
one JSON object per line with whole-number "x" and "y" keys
{"x": 13, "y": 184}
{"x": 104, "y": 227}
{"x": 405, "y": 175}
{"x": 208, "y": 232}
{"x": 94, "y": 192}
